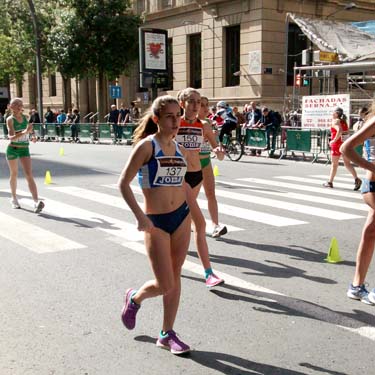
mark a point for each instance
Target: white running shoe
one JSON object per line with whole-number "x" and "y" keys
{"x": 38, "y": 207}
{"x": 14, "y": 203}
{"x": 219, "y": 231}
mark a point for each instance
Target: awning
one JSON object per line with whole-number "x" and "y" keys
{"x": 350, "y": 41}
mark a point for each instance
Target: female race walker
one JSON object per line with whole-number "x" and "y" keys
{"x": 191, "y": 135}
{"x": 339, "y": 133}
{"x": 207, "y": 172}
{"x": 161, "y": 167}
{"x": 18, "y": 133}
{"x": 357, "y": 290}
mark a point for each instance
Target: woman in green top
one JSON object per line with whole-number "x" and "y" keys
{"x": 18, "y": 148}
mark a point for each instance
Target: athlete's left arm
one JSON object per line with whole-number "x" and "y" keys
{"x": 210, "y": 136}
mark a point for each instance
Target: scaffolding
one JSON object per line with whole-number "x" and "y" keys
{"x": 356, "y": 79}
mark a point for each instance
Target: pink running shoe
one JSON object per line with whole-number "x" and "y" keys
{"x": 212, "y": 281}
{"x": 129, "y": 310}
{"x": 173, "y": 343}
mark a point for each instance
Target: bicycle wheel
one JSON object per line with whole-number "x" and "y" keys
{"x": 235, "y": 150}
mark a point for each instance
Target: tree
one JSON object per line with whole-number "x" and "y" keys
{"x": 104, "y": 41}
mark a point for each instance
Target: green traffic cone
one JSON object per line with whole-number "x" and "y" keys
{"x": 333, "y": 252}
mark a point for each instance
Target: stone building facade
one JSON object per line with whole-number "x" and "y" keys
{"x": 233, "y": 50}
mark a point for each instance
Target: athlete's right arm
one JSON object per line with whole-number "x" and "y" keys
{"x": 12, "y": 135}
{"x": 358, "y": 138}
{"x": 139, "y": 156}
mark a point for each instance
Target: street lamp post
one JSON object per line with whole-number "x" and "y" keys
{"x": 38, "y": 59}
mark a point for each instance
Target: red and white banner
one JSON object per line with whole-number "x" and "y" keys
{"x": 317, "y": 110}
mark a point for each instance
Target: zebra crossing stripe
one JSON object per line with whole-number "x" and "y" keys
{"x": 298, "y": 196}
{"x": 198, "y": 269}
{"x": 137, "y": 190}
{"x": 243, "y": 213}
{"x": 294, "y": 207}
{"x": 33, "y": 237}
{"x": 251, "y": 215}
{"x": 347, "y": 179}
{"x": 320, "y": 190}
{"x": 314, "y": 181}
{"x": 107, "y": 224}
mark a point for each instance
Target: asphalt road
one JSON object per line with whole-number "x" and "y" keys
{"x": 283, "y": 309}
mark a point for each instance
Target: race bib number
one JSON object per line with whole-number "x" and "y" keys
{"x": 171, "y": 171}
{"x": 23, "y": 139}
{"x": 190, "y": 138}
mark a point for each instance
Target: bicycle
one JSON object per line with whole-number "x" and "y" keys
{"x": 234, "y": 149}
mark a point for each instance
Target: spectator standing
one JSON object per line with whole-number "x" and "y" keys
{"x": 113, "y": 119}
{"x": 123, "y": 116}
{"x": 34, "y": 117}
{"x": 269, "y": 122}
{"x": 74, "y": 127}
{"x": 362, "y": 117}
{"x": 134, "y": 113}
{"x": 7, "y": 113}
{"x": 2, "y": 122}
{"x": 239, "y": 115}
{"x": 49, "y": 119}
{"x": 60, "y": 121}
{"x": 253, "y": 117}
{"x": 212, "y": 113}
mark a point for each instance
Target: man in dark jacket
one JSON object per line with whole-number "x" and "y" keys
{"x": 113, "y": 119}
{"x": 270, "y": 124}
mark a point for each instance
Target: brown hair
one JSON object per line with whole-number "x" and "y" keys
{"x": 145, "y": 127}
{"x": 185, "y": 94}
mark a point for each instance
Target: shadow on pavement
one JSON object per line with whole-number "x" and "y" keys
{"x": 58, "y": 169}
{"x": 284, "y": 305}
{"x": 222, "y": 362}
{"x": 293, "y": 251}
{"x": 263, "y": 270}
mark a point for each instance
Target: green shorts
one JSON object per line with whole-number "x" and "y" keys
{"x": 205, "y": 162}
{"x": 17, "y": 152}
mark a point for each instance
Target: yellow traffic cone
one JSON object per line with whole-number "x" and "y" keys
{"x": 61, "y": 152}
{"x": 48, "y": 179}
{"x": 333, "y": 252}
{"x": 216, "y": 171}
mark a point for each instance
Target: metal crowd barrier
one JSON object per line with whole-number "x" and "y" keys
{"x": 87, "y": 132}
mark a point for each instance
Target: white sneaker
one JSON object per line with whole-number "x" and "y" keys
{"x": 219, "y": 231}
{"x": 38, "y": 207}
{"x": 371, "y": 296}
{"x": 14, "y": 203}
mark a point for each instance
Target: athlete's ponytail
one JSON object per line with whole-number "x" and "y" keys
{"x": 145, "y": 128}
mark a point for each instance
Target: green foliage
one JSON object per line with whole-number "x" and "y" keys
{"x": 107, "y": 36}
{"x": 78, "y": 38}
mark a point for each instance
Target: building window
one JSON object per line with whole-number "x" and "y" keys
{"x": 297, "y": 41}
{"x": 166, "y": 4}
{"x": 195, "y": 61}
{"x": 52, "y": 85}
{"x": 140, "y": 6}
{"x": 232, "y": 55}
{"x": 170, "y": 64}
